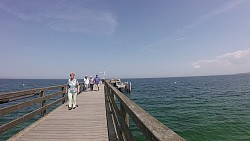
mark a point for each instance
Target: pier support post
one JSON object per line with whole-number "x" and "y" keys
{"x": 130, "y": 87}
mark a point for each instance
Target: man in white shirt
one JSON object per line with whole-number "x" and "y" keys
{"x": 86, "y": 83}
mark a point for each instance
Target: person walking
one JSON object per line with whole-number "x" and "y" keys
{"x": 97, "y": 81}
{"x": 91, "y": 83}
{"x": 86, "y": 83}
{"x": 72, "y": 89}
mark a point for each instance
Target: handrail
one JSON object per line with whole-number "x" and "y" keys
{"x": 6, "y": 97}
{"x": 42, "y": 99}
{"x": 13, "y": 108}
{"x": 149, "y": 126}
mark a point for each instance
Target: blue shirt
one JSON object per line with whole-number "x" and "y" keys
{"x": 97, "y": 80}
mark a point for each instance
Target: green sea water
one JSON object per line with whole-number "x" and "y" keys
{"x": 213, "y": 108}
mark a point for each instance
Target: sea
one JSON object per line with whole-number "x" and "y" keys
{"x": 204, "y": 108}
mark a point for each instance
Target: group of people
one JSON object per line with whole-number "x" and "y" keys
{"x": 73, "y": 88}
{"x": 90, "y": 82}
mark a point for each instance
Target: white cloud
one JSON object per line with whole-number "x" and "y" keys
{"x": 227, "y": 60}
{"x": 178, "y": 34}
{"x": 60, "y": 15}
{"x": 227, "y": 6}
{"x": 181, "y": 38}
{"x": 196, "y": 65}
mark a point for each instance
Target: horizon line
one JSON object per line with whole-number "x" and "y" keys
{"x": 142, "y": 77}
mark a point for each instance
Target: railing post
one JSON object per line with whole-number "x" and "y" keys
{"x": 82, "y": 89}
{"x": 80, "y": 85}
{"x": 124, "y": 115}
{"x": 105, "y": 88}
{"x": 110, "y": 93}
{"x": 43, "y": 103}
{"x": 63, "y": 95}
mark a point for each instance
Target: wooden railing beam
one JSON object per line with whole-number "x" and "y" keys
{"x": 6, "y": 97}
{"x": 13, "y": 108}
{"x": 26, "y": 117}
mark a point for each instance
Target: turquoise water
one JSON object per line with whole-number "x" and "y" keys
{"x": 214, "y": 108}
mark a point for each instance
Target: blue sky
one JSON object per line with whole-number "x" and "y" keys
{"x": 126, "y": 39}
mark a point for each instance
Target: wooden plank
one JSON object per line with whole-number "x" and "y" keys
{"x": 86, "y": 122}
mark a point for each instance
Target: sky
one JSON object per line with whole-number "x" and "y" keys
{"x": 124, "y": 39}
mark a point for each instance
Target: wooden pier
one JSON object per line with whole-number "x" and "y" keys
{"x": 100, "y": 116}
{"x": 85, "y": 123}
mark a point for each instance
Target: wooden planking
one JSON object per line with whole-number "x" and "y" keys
{"x": 86, "y": 122}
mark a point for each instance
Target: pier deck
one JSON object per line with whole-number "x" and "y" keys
{"x": 86, "y": 122}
